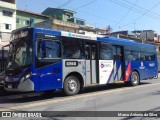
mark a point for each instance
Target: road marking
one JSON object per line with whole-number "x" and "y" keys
{"x": 73, "y": 98}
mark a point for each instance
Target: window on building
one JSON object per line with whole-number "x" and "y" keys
{"x": 155, "y": 35}
{"x": 80, "y": 22}
{"x": 8, "y": 26}
{"x": 17, "y": 20}
{"x": 67, "y": 16}
{"x": 23, "y": 22}
{"x": 27, "y": 22}
{"x": 7, "y": 13}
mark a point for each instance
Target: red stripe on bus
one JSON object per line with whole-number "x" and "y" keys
{"x": 128, "y": 71}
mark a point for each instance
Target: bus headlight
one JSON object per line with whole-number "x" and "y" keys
{"x": 25, "y": 77}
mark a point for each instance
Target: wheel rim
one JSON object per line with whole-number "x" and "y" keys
{"x": 72, "y": 85}
{"x": 134, "y": 78}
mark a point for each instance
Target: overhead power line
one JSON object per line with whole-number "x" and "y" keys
{"x": 64, "y": 4}
{"x": 142, "y": 8}
{"x": 88, "y": 13}
{"x": 140, "y": 11}
{"x": 142, "y": 15}
{"x": 85, "y": 5}
{"x": 147, "y": 11}
{"x": 126, "y": 13}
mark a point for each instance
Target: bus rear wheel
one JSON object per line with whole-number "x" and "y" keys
{"x": 135, "y": 79}
{"x": 71, "y": 85}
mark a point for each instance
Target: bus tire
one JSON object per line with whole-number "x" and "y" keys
{"x": 135, "y": 79}
{"x": 71, "y": 85}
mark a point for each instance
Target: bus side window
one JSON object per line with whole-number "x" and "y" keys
{"x": 48, "y": 49}
{"x": 152, "y": 56}
{"x": 142, "y": 56}
{"x": 72, "y": 48}
{"x": 87, "y": 53}
{"x": 128, "y": 55}
{"x": 41, "y": 49}
{"x": 114, "y": 53}
{"x": 106, "y": 52}
{"x": 93, "y": 49}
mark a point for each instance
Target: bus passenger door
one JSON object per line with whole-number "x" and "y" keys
{"x": 118, "y": 55}
{"x": 91, "y": 62}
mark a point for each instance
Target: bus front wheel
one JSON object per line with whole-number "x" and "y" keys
{"x": 71, "y": 85}
{"x": 135, "y": 79}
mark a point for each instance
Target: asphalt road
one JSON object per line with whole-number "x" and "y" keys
{"x": 114, "y": 97}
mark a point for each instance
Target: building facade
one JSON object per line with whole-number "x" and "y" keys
{"x": 143, "y": 36}
{"x": 146, "y": 35}
{"x": 128, "y": 35}
{"x": 64, "y": 19}
{"x": 7, "y": 24}
{"x": 7, "y": 19}
{"x": 59, "y": 25}
{"x": 63, "y": 15}
{"x": 23, "y": 18}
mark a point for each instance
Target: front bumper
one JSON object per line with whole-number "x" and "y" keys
{"x": 25, "y": 86}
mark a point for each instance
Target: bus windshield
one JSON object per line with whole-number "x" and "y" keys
{"x": 20, "y": 53}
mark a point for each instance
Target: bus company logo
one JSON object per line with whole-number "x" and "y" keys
{"x": 105, "y": 65}
{"x": 102, "y": 65}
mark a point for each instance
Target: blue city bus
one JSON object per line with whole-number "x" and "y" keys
{"x": 42, "y": 60}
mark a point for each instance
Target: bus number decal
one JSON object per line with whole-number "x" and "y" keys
{"x": 71, "y": 63}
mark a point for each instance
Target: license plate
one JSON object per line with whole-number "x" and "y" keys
{"x": 9, "y": 86}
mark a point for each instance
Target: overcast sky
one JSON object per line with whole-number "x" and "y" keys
{"x": 119, "y": 14}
